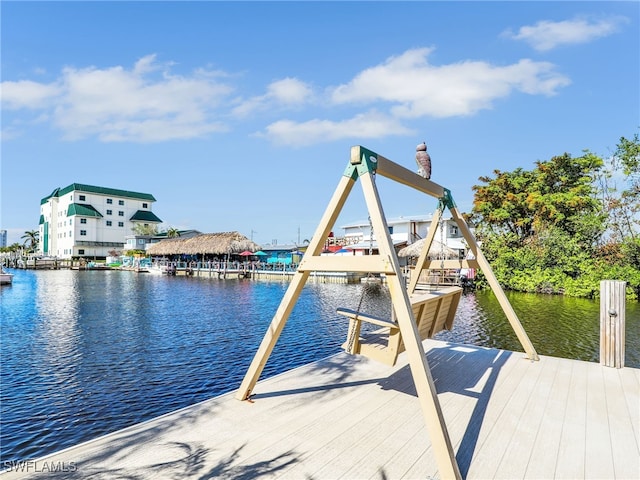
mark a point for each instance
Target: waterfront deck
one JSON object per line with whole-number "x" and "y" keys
{"x": 353, "y": 418}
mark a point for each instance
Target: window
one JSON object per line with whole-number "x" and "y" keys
{"x": 141, "y": 241}
{"x": 120, "y": 202}
{"x": 120, "y": 213}
{"x": 453, "y": 231}
{"x": 145, "y": 205}
{"x": 82, "y": 198}
{"x": 109, "y": 201}
{"x": 83, "y": 220}
{"x": 71, "y": 221}
{"x": 121, "y": 224}
{"x": 81, "y": 251}
{"x": 109, "y": 212}
{"x": 83, "y": 233}
{"x": 70, "y": 232}
{"x": 108, "y": 223}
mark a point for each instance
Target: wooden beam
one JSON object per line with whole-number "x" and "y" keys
{"x": 345, "y": 185}
{"x": 425, "y": 387}
{"x": 422, "y": 259}
{"x": 347, "y": 263}
{"x": 495, "y": 285}
{"x": 393, "y": 171}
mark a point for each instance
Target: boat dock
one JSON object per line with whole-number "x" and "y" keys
{"x": 350, "y": 417}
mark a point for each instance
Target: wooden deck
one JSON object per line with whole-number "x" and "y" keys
{"x": 353, "y": 418}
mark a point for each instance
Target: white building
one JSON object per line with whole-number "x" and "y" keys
{"x": 88, "y": 221}
{"x": 405, "y": 231}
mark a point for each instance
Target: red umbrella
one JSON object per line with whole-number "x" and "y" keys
{"x": 246, "y": 253}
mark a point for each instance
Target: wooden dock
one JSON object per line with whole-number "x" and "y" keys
{"x": 353, "y": 418}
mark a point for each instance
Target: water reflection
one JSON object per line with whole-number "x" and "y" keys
{"x": 86, "y": 353}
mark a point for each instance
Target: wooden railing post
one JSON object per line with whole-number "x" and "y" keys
{"x": 612, "y": 320}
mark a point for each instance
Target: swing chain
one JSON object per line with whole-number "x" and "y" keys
{"x": 352, "y": 335}
{"x": 442, "y": 243}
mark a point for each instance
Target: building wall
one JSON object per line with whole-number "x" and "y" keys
{"x": 85, "y": 235}
{"x": 409, "y": 230}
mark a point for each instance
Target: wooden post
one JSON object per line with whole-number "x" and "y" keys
{"x": 425, "y": 387}
{"x": 612, "y": 319}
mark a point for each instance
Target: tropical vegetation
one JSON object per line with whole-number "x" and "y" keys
{"x": 565, "y": 225}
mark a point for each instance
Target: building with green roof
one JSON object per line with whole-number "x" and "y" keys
{"x": 88, "y": 221}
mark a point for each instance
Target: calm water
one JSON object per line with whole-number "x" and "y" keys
{"x": 87, "y": 353}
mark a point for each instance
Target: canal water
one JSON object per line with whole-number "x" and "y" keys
{"x": 86, "y": 353}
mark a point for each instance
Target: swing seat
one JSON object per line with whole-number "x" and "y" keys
{"x": 433, "y": 312}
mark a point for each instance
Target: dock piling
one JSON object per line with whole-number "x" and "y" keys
{"x": 612, "y": 323}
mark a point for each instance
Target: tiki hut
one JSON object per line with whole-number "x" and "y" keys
{"x": 211, "y": 244}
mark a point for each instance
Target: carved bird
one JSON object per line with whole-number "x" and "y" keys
{"x": 423, "y": 160}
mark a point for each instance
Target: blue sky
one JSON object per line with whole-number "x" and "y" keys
{"x": 241, "y": 115}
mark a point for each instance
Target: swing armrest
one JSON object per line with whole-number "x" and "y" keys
{"x": 347, "y": 312}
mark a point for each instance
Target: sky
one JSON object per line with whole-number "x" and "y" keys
{"x": 240, "y": 116}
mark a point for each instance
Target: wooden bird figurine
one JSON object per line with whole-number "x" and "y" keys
{"x": 423, "y": 160}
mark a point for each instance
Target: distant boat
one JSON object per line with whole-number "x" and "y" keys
{"x": 5, "y": 277}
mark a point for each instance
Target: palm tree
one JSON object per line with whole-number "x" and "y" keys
{"x": 31, "y": 240}
{"x": 173, "y": 232}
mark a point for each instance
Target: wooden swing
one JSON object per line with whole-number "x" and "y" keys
{"x": 433, "y": 311}
{"x": 364, "y": 164}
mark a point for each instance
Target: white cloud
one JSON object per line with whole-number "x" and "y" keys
{"x": 414, "y": 88}
{"x": 547, "y": 35}
{"x": 365, "y": 125}
{"x": 148, "y": 103}
{"x": 116, "y": 104}
{"x": 27, "y": 94}
{"x": 288, "y": 92}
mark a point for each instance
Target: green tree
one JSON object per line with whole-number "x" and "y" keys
{"x": 558, "y": 193}
{"x": 145, "y": 229}
{"x": 14, "y": 247}
{"x": 625, "y": 209}
{"x": 173, "y": 232}
{"x": 31, "y": 240}
{"x": 501, "y": 205}
{"x": 542, "y": 229}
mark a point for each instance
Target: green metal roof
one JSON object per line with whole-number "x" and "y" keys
{"x": 145, "y": 216}
{"x": 83, "y": 210}
{"x": 79, "y": 187}
{"x": 53, "y": 194}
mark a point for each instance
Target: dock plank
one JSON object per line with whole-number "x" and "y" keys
{"x": 544, "y": 452}
{"x": 351, "y": 417}
{"x": 598, "y": 454}
{"x": 624, "y": 442}
{"x": 571, "y": 451}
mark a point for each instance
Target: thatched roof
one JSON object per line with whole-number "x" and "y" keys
{"x": 205, "y": 243}
{"x": 435, "y": 252}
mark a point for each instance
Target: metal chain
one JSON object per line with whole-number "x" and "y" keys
{"x": 442, "y": 247}
{"x": 352, "y": 336}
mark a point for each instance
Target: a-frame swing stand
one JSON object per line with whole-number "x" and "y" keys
{"x": 364, "y": 165}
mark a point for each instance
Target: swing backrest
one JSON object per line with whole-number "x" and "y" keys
{"x": 433, "y": 311}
